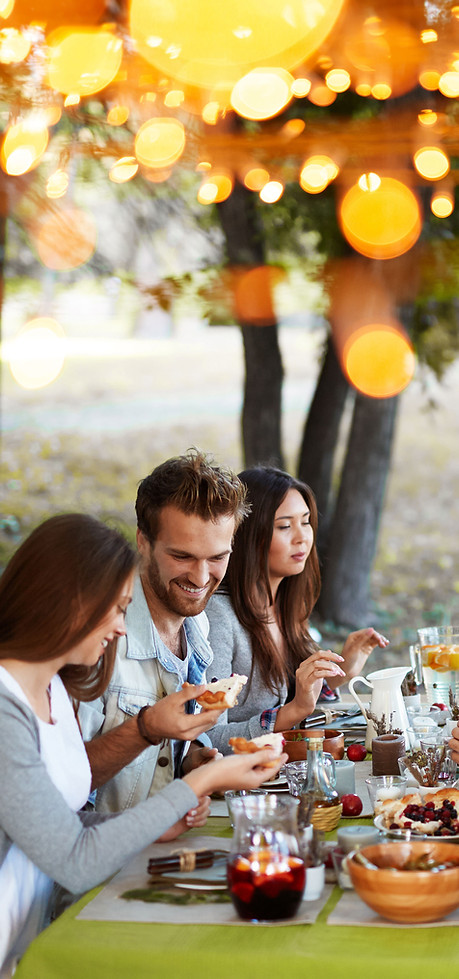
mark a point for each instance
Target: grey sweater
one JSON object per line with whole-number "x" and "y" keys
{"x": 232, "y": 649}
{"x": 77, "y": 850}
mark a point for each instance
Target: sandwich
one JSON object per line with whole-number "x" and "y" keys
{"x": 221, "y": 694}
{"x": 274, "y": 741}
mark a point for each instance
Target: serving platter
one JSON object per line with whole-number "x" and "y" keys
{"x": 408, "y": 834}
{"x": 204, "y": 879}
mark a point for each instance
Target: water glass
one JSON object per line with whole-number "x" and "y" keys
{"x": 382, "y": 787}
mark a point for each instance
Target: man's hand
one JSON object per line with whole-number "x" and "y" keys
{"x": 197, "y": 756}
{"x": 454, "y": 744}
{"x": 169, "y": 719}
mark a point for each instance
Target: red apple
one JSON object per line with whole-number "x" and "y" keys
{"x": 439, "y": 707}
{"x": 352, "y": 805}
{"x": 356, "y": 752}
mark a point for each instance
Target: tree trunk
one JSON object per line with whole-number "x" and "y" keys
{"x": 261, "y": 412}
{"x": 345, "y": 591}
{"x": 320, "y": 438}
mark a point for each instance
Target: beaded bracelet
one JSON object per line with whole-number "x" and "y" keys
{"x": 142, "y": 730}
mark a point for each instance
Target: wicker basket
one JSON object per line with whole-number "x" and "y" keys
{"x": 327, "y": 819}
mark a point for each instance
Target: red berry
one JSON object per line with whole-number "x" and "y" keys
{"x": 352, "y": 805}
{"x": 356, "y": 752}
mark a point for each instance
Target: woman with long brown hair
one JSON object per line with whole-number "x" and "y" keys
{"x": 259, "y": 616}
{"x": 63, "y": 598}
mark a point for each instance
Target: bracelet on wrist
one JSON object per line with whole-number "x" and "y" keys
{"x": 143, "y": 731}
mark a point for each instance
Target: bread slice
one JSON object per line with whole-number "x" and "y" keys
{"x": 241, "y": 746}
{"x": 221, "y": 694}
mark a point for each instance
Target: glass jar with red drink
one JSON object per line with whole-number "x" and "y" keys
{"x": 266, "y": 874}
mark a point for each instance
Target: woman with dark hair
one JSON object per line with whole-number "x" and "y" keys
{"x": 259, "y": 616}
{"x": 63, "y": 598}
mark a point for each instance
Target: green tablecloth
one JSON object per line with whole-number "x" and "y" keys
{"x": 87, "y": 949}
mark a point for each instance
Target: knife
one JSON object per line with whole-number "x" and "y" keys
{"x": 185, "y": 861}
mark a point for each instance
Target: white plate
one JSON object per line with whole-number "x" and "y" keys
{"x": 408, "y": 834}
{"x": 275, "y": 783}
{"x": 204, "y": 879}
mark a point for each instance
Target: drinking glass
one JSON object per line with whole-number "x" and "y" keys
{"x": 440, "y": 662}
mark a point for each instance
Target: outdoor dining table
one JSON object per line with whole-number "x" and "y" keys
{"x": 77, "y": 948}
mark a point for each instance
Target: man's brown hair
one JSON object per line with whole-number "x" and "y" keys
{"x": 194, "y": 485}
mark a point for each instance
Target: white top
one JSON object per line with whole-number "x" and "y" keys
{"x": 25, "y": 890}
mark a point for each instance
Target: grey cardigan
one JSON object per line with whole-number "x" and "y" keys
{"x": 232, "y": 649}
{"x": 77, "y": 850}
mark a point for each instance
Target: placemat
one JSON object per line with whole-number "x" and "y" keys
{"x": 108, "y": 905}
{"x": 351, "y": 910}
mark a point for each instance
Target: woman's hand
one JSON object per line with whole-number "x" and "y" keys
{"x": 245, "y": 771}
{"x": 194, "y": 818}
{"x": 199, "y": 755}
{"x": 321, "y": 665}
{"x": 356, "y": 651}
{"x": 454, "y": 744}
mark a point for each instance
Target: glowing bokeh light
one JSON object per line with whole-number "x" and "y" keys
{"x": 292, "y": 128}
{"x": 272, "y": 191}
{"x": 65, "y": 239}
{"x": 253, "y": 295}
{"x": 57, "y": 184}
{"x": 210, "y": 113}
{"x": 429, "y": 36}
{"x": 381, "y": 91}
{"x": 427, "y": 117}
{"x": 382, "y": 221}
{"x": 429, "y": 79}
{"x": 36, "y": 355}
{"x": 321, "y": 95}
{"x": 216, "y": 187}
{"x": 212, "y": 45}
{"x": 262, "y": 93}
{"x": 442, "y": 203}
{"x": 6, "y": 7}
{"x": 449, "y": 84}
{"x": 301, "y": 87}
{"x": 379, "y": 360}
{"x": 383, "y": 50}
{"x": 316, "y": 174}
{"x": 118, "y": 115}
{"x": 256, "y": 178}
{"x": 24, "y": 144}
{"x": 160, "y": 142}
{"x": 431, "y": 162}
{"x": 338, "y": 79}
{"x": 14, "y": 46}
{"x": 124, "y": 169}
{"x": 81, "y": 62}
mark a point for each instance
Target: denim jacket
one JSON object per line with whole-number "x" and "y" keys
{"x": 145, "y": 671}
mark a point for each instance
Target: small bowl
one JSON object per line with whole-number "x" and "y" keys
{"x": 407, "y": 896}
{"x": 296, "y": 745}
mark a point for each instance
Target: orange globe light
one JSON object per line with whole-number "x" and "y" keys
{"x": 431, "y": 162}
{"x": 262, "y": 93}
{"x": 81, "y": 62}
{"x": 316, "y": 174}
{"x": 65, "y": 239}
{"x": 380, "y": 217}
{"x": 379, "y": 360}
{"x": 160, "y": 142}
{"x": 211, "y": 45}
{"x": 124, "y": 169}
{"x": 253, "y": 295}
{"x": 442, "y": 203}
{"x": 24, "y": 144}
{"x": 14, "y": 46}
{"x": 216, "y": 187}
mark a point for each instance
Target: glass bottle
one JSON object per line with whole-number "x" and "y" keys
{"x": 320, "y": 795}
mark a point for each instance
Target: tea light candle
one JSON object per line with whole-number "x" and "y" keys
{"x": 353, "y": 837}
{"x": 345, "y": 776}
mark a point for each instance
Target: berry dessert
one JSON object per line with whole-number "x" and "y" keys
{"x": 435, "y": 815}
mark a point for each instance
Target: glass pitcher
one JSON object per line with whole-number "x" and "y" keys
{"x": 266, "y": 874}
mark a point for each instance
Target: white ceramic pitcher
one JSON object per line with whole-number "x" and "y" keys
{"x": 386, "y": 698}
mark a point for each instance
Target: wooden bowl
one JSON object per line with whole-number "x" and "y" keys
{"x": 407, "y": 896}
{"x": 296, "y": 745}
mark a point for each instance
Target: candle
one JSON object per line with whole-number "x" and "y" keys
{"x": 345, "y": 776}
{"x": 386, "y": 751}
{"x": 353, "y": 837}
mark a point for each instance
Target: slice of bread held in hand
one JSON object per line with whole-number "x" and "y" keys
{"x": 221, "y": 694}
{"x": 274, "y": 741}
